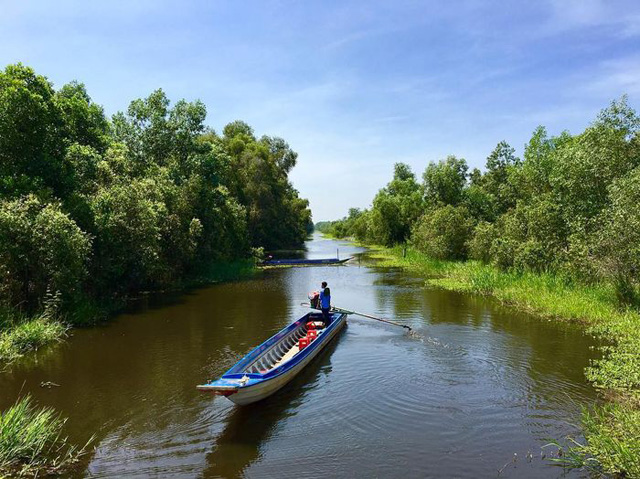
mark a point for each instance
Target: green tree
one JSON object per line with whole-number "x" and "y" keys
{"x": 41, "y": 249}
{"x": 531, "y": 236}
{"x": 443, "y": 232}
{"x": 83, "y": 121}
{"x": 500, "y": 163}
{"x": 616, "y": 244}
{"x": 396, "y": 207}
{"x": 444, "y": 181}
{"x": 31, "y": 141}
{"x": 588, "y": 163}
{"x": 257, "y": 174}
{"x": 128, "y": 224}
{"x": 481, "y": 241}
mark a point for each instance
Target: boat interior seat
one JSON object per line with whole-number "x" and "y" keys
{"x": 286, "y": 349}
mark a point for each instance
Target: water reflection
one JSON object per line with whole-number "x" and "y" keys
{"x": 485, "y": 383}
{"x": 248, "y": 427}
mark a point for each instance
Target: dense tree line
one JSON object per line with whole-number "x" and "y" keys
{"x": 571, "y": 206}
{"x": 92, "y": 206}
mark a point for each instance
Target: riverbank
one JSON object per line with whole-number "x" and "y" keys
{"x": 21, "y": 334}
{"x": 612, "y": 433}
{"x": 31, "y": 440}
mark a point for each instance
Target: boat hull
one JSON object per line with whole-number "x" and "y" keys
{"x": 248, "y": 382}
{"x": 258, "y": 392}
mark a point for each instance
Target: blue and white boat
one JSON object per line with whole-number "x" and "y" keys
{"x": 277, "y": 361}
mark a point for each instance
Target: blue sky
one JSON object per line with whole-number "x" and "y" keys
{"x": 353, "y": 86}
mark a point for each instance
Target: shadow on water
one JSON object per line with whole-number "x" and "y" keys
{"x": 238, "y": 446}
{"x": 491, "y": 383}
{"x": 134, "y": 378}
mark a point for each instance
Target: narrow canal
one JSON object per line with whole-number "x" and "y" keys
{"x": 477, "y": 395}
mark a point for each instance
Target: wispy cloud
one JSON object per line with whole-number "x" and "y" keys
{"x": 391, "y": 119}
{"x": 352, "y": 37}
{"x": 354, "y": 86}
{"x": 574, "y": 14}
{"x": 631, "y": 26}
{"x": 616, "y": 78}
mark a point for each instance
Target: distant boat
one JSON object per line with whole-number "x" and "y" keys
{"x": 303, "y": 262}
{"x": 277, "y": 361}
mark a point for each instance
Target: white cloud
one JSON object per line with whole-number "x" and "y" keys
{"x": 614, "y": 78}
{"x": 572, "y": 14}
{"x": 578, "y": 12}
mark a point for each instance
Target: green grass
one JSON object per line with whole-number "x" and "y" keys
{"x": 22, "y": 335}
{"x": 613, "y": 439}
{"x": 612, "y": 432}
{"x": 31, "y": 441}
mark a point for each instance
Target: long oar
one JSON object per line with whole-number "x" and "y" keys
{"x": 341, "y": 310}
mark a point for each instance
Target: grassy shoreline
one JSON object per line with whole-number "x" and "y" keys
{"x": 31, "y": 441}
{"x": 613, "y": 432}
{"x": 21, "y": 334}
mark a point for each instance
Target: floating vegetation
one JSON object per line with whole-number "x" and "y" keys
{"x": 612, "y": 432}
{"x": 611, "y": 445}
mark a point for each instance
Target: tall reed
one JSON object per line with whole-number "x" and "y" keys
{"x": 31, "y": 441}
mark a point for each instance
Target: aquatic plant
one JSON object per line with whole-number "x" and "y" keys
{"x": 25, "y": 334}
{"x": 31, "y": 441}
{"x": 611, "y": 444}
{"x": 612, "y": 432}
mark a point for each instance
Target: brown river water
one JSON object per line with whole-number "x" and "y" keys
{"x": 477, "y": 394}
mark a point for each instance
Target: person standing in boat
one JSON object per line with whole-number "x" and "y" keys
{"x": 325, "y": 303}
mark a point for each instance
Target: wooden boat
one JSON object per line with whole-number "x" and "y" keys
{"x": 276, "y": 361}
{"x": 303, "y": 262}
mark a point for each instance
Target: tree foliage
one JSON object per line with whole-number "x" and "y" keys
{"x": 570, "y": 206}
{"x": 617, "y": 240}
{"x": 257, "y": 174}
{"x": 396, "y": 208}
{"x": 443, "y": 232}
{"x": 92, "y": 206}
{"x": 444, "y": 182}
{"x": 41, "y": 249}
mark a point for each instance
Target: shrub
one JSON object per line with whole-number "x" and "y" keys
{"x": 128, "y": 222}
{"x": 442, "y": 233}
{"x": 41, "y": 249}
{"x": 479, "y": 246}
{"x": 503, "y": 252}
{"x": 533, "y": 255}
{"x": 617, "y": 241}
{"x": 531, "y": 236}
